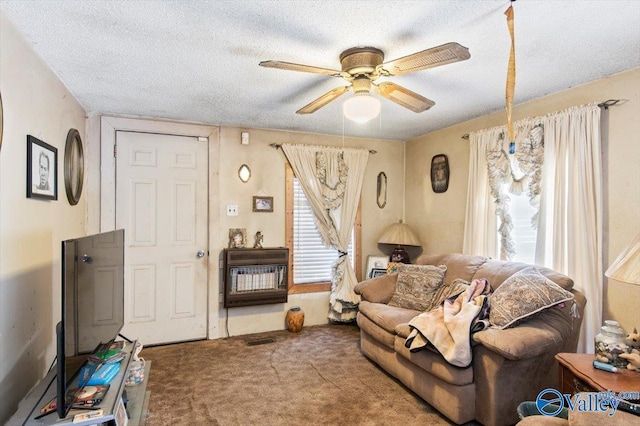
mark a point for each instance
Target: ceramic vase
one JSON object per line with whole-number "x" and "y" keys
{"x": 294, "y": 319}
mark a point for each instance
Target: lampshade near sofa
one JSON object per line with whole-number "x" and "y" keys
{"x": 626, "y": 267}
{"x": 399, "y": 234}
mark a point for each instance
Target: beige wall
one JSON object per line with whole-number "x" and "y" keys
{"x": 35, "y": 103}
{"x": 267, "y": 178}
{"x": 267, "y": 166}
{"x": 439, "y": 218}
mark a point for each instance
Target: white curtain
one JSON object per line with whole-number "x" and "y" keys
{"x": 331, "y": 179}
{"x": 480, "y": 225}
{"x": 558, "y": 160}
{"x": 570, "y": 228}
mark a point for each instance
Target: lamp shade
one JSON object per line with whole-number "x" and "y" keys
{"x": 626, "y": 267}
{"x": 399, "y": 234}
{"x": 361, "y": 107}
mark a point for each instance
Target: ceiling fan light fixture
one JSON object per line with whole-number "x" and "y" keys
{"x": 361, "y": 107}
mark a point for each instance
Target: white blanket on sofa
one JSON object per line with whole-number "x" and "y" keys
{"x": 448, "y": 327}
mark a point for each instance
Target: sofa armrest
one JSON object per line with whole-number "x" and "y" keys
{"x": 377, "y": 290}
{"x": 521, "y": 342}
{"x": 555, "y": 329}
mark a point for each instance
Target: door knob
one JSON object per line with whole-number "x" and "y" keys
{"x": 200, "y": 253}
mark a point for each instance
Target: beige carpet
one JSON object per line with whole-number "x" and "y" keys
{"x": 315, "y": 377}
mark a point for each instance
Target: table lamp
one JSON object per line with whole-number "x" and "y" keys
{"x": 399, "y": 234}
{"x": 626, "y": 267}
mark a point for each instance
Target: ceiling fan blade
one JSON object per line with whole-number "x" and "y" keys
{"x": 299, "y": 67}
{"x": 315, "y": 105}
{"x": 430, "y": 58}
{"x": 403, "y": 97}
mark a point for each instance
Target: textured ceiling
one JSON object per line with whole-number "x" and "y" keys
{"x": 198, "y": 60}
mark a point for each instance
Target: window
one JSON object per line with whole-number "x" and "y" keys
{"x": 523, "y": 234}
{"x": 309, "y": 260}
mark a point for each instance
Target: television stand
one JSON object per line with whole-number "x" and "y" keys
{"x": 45, "y": 390}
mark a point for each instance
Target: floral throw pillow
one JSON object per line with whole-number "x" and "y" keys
{"x": 522, "y": 295}
{"x": 417, "y": 286}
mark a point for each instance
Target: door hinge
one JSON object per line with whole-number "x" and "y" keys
{"x": 115, "y": 150}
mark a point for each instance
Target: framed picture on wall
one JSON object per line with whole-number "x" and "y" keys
{"x": 263, "y": 204}
{"x": 439, "y": 173}
{"x": 237, "y": 238}
{"x": 42, "y": 169}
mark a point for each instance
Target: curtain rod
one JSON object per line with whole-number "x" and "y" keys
{"x": 277, "y": 146}
{"x": 606, "y": 104}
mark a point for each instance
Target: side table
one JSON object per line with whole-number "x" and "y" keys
{"x": 577, "y": 374}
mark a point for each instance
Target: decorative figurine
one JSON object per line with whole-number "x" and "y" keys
{"x": 634, "y": 360}
{"x": 259, "y": 238}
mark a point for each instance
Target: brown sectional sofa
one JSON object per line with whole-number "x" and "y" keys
{"x": 509, "y": 366}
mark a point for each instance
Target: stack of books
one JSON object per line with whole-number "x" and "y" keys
{"x": 103, "y": 374}
{"x": 114, "y": 353}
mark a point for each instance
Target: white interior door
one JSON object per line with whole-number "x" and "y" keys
{"x": 161, "y": 203}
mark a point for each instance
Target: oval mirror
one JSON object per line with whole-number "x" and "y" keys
{"x": 244, "y": 172}
{"x": 381, "y": 196}
{"x": 73, "y": 166}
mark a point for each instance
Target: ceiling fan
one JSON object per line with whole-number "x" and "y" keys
{"x": 361, "y": 66}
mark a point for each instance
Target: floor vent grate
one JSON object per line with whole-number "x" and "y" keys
{"x": 260, "y": 341}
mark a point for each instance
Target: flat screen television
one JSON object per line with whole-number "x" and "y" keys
{"x": 92, "y": 307}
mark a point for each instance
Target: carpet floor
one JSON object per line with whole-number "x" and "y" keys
{"x": 315, "y": 377}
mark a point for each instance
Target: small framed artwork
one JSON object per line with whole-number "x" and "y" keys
{"x": 439, "y": 173}
{"x": 237, "y": 238}
{"x": 376, "y": 262}
{"x": 376, "y": 272}
{"x": 263, "y": 204}
{"x": 42, "y": 169}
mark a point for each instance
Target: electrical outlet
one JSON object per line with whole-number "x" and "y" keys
{"x": 232, "y": 210}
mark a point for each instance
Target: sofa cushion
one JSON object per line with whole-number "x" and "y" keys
{"x": 378, "y": 289}
{"x": 385, "y": 316}
{"x": 522, "y": 295}
{"x": 459, "y": 266}
{"x": 417, "y": 287}
{"x": 431, "y": 361}
{"x": 497, "y": 271}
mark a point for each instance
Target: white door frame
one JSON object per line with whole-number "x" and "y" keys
{"x": 108, "y": 128}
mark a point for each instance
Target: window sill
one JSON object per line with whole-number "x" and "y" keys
{"x": 310, "y": 288}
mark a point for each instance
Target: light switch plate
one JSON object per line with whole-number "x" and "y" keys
{"x": 232, "y": 210}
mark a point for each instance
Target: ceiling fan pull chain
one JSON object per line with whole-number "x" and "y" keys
{"x": 511, "y": 81}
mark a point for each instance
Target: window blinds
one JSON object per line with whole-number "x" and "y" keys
{"x": 311, "y": 259}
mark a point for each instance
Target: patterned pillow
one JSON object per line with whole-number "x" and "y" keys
{"x": 522, "y": 295}
{"x": 417, "y": 286}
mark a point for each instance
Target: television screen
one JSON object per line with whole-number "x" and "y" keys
{"x": 93, "y": 276}
{"x": 92, "y": 302}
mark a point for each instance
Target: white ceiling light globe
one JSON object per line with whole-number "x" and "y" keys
{"x": 361, "y": 107}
